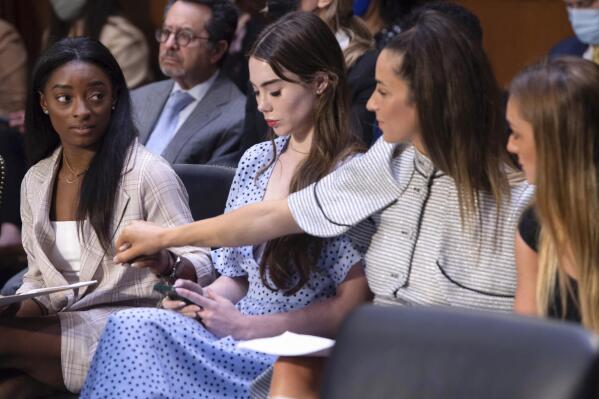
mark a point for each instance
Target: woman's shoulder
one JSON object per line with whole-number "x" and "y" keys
{"x": 521, "y": 195}
{"x": 146, "y": 164}
{"x": 262, "y": 153}
{"x": 43, "y": 168}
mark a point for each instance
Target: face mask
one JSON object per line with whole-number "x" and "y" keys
{"x": 68, "y": 10}
{"x": 361, "y": 7}
{"x": 585, "y": 23}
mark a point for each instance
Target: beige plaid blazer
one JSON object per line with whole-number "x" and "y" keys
{"x": 150, "y": 190}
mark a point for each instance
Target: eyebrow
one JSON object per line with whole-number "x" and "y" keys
{"x": 91, "y": 84}
{"x": 380, "y": 82}
{"x": 269, "y": 82}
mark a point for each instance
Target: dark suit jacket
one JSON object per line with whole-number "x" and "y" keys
{"x": 571, "y": 46}
{"x": 211, "y": 134}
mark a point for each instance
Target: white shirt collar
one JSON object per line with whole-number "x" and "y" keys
{"x": 588, "y": 55}
{"x": 198, "y": 91}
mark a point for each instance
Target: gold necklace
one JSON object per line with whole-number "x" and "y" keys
{"x": 76, "y": 175}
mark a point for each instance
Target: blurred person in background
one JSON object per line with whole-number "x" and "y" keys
{"x": 101, "y": 20}
{"x": 384, "y": 17}
{"x": 584, "y": 18}
{"x": 13, "y": 72}
{"x": 197, "y": 115}
{"x": 13, "y": 89}
{"x": 250, "y": 23}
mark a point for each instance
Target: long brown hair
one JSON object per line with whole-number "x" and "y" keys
{"x": 303, "y": 45}
{"x": 560, "y": 99}
{"x": 459, "y": 106}
{"x": 339, "y": 16}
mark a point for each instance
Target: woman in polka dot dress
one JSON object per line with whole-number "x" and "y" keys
{"x": 298, "y": 283}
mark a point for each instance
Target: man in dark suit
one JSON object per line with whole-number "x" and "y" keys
{"x": 584, "y": 17}
{"x": 197, "y": 115}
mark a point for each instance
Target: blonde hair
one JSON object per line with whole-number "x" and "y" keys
{"x": 560, "y": 99}
{"x": 340, "y": 17}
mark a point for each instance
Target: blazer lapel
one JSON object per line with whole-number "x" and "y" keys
{"x": 92, "y": 253}
{"x": 205, "y": 111}
{"x": 149, "y": 108}
{"x": 42, "y": 229}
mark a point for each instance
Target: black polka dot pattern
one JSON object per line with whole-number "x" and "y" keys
{"x": 152, "y": 353}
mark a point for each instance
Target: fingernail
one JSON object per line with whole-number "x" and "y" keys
{"x": 123, "y": 247}
{"x": 134, "y": 264}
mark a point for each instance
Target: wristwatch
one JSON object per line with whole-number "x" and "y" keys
{"x": 171, "y": 275}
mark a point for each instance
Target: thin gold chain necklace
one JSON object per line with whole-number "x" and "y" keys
{"x": 76, "y": 175}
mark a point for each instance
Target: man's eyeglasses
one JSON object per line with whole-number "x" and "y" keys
{"x": 182, "y": 37}
{"x": 580, "y": 3}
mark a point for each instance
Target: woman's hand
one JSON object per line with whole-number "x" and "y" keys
{"x": 215, "y": 312}
{"x": 158, "y": 263}
{"x": 139, "y": 239}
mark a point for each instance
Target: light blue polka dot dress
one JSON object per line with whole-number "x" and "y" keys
{"x": 153, "y": 353}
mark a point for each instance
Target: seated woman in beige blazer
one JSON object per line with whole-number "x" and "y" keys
{"x": 90, "y": 178}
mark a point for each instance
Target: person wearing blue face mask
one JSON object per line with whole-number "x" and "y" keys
{"x": 584, "y": 17}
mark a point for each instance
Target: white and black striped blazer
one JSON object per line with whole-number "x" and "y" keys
{"x": 406, "y": 216}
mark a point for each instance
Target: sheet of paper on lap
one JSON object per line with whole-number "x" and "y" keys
{"x": 290, "y": 344}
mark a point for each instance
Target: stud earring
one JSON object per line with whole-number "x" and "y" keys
{"x": 113, "y": 106}
{"x": 45, "y": 111}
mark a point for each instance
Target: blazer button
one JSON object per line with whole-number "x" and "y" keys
{"x": 406, "y": 234}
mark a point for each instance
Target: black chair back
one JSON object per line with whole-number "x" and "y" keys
{"x": 207, "y": 186}
{"x": 418, "y": 353}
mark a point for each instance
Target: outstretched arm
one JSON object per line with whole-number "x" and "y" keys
{"x": 249, "y": 225}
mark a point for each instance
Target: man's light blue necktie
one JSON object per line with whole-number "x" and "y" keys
{"x": 165, "y": 128}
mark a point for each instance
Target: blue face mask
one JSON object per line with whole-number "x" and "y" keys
{"x": 360, "y": 7}
{"x": 585, "y": 22}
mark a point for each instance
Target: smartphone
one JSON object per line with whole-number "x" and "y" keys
{"x": 170, "y": 291}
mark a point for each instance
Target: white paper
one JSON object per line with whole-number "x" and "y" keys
{"x": 7, "y": 300}
{"x": 290, "y": 344}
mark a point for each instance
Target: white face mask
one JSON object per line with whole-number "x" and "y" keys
{"x": 585, "y": 22}
{"x": 68, "y": 10}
